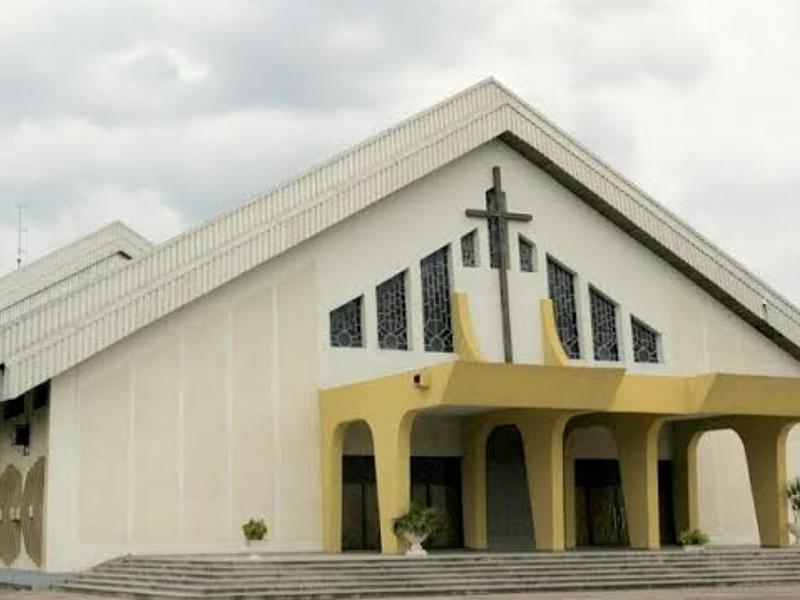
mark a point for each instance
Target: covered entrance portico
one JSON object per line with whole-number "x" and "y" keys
{"x": 545, "y": 403}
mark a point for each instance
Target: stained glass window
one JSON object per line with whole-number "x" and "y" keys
{"x": 390, "y": 297}
{"x": 604, "y": 327}
{"x": 527, "y": 255}
{"x": 346, "y": 325}
{"x": 645, "y": 342}
{"x": 469, "y": 249}
{"x": 436, "y": 302}
{"x": 562, "y": 292}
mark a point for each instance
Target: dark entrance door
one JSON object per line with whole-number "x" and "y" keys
{"x": 508, "y": 507}
{"x": 435, "y": 481}
{"x": 600, "y": 505}
{"x": 360, "y": 526}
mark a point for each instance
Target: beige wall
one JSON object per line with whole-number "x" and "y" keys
{"x": 171, "y": 439}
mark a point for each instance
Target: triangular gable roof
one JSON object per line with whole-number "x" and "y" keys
{"x": 69, "y": 330}
{"x": 68, "y": 268}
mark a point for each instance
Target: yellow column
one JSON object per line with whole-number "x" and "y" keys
{"x": 391, "y": 439}
{"x": 637, "y": 443}
{"x": 473, "y": 484}
{"x": 543, "y": 439}
{"x": 684, "y": 475}
{"x": 570, "y": 515}
{"x": 765, "y": 447}
{"x": 332, "y": 446}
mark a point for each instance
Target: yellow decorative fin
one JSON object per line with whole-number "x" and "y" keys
{"x": 464, "y": 339}
{"x": 554, "y": 354}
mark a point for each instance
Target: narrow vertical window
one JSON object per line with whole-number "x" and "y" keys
{"x": 527, "y": 255}
{"x": 346, "y": 325}
{"x": 562, "y": 292}
{"x": 645, "y": 342}
{"x": 437, "y": 320}
{"x": 604, "y": 327}
{"x": 390, "y": 297}
{"x": 469, "y": 249}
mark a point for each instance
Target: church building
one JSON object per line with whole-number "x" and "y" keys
{"x": 469, "y": 309}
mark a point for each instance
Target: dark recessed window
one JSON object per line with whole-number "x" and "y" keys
{"x": 469, "y": 249}
{"x": 562, "y": 292}
{"x": 527, "y": 255}
{"x": 437, "y": 320}
{"x": 645, "y": 342}
{"x": 604, "y": 327}
{"x": 390, "y": 297}
{"x": 346, "y": 331}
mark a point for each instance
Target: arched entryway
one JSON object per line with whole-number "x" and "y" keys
{"x": 360, "y": 523}
{"x": 595, "y": 510}
{"x": 726, "y": 511}
{"x": 436, "y": 448}
{"x": 508, "y": 506}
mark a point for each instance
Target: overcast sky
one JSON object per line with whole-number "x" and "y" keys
{"x": 163, "y": 114}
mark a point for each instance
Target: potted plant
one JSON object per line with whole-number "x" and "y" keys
{"x": 793, "y": 494}
{"x": 414, "y": 526}
{"x": 255, "y": 533}
{"x": 692, "y": 540}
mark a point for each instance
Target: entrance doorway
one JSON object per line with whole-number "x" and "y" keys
{"x": 360, "y": 525}
{"x": 435, "y": 482}
{"x": 600, "y": 504}
{"x": 508, "y": 507}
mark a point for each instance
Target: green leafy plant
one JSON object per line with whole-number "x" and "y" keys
{"x": 793, "y": 494}
{"x": 254, "y": 530}
{"x": 417, "y": 520}
{"x": 692, "y": 537}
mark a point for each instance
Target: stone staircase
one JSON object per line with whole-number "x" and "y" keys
{"x": 348, "y": 576}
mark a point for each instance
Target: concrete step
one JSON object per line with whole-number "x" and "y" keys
{"x": 468, "y": 573}
{"x": 319, "y": 585}
{"x": 378, "y": 591}
{"x": 430, "y": 574}
{"x": 433, "y": 563}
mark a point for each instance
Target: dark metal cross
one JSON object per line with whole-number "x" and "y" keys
{"x": 497, "y": 217}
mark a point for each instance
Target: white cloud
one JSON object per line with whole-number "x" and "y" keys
{"x": 106, "y": 108}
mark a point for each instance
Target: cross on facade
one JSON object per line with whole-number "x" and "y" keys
{"x": 497, "y": 217}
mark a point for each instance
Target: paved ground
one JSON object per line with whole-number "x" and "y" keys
{"x": 737, "y": 593}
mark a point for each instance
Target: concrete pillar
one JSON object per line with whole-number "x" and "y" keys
{"x": 764, "y": 442}
{"x": 684, "y": 475}
{"x": 332, "y": 448}
{"x": 391, "y": 439}
{"x": 473, "y": 483}
{"x": 637, "y": 444}
{"x": 543, "y": 440}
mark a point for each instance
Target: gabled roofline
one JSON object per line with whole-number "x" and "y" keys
{"x": 84, "y": 322}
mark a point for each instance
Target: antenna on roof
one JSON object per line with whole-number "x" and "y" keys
{"x": 20, "y": 231}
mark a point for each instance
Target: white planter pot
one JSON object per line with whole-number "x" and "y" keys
{"x": 255, "y": 547}
{"x": 415, "y": 544}
{"x": 794, "y": 529}
{"x": 692, "y": 548}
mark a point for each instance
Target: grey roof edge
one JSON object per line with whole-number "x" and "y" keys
{"x": 486, "y": 111}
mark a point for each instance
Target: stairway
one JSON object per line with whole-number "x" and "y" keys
{"x": 348, "y": 576}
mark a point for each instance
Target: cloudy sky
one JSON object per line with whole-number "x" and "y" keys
{"x": 163, "y": 114}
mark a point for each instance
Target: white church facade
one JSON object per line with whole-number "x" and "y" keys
{"x": 349, "y": 341}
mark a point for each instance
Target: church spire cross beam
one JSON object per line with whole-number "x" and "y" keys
{"x": 497, "y": 218}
